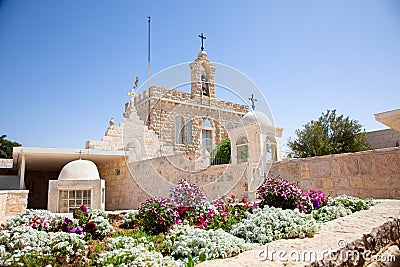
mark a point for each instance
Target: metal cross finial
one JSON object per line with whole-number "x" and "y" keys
{"x": 202, "y": 41}
{"x": 253, "y": 100}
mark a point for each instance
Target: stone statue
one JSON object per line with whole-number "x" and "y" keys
{"x": 111, "y": 123}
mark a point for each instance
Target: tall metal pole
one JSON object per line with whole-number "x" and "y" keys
{"x": 148, "y": 69}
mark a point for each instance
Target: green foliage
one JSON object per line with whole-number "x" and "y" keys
{"x": 222, "y": 153}
{"x": 157, "y": 215}
{"x": 352, "y": 203}
{"x": 6, "y": 147}
{"x": 330, "y": 134}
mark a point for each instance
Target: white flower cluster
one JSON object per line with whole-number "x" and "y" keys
{"x": 352, "y": 203}
{"x": 341, "y": 206}
{"x": 130, "y": 218}
{"x": 186, "y": 240}
{"x": 24, "y": 218}
{"x": 329, "y": 213}
{"x": 127, "y": 251}
{"x": 103, "y": 225}
{"x": 269, "y": 224}
{"x": 24, "y": 242}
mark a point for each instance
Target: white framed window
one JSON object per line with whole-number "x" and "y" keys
{"x": 68, "y": 200}
{"x": 242, "y": 150}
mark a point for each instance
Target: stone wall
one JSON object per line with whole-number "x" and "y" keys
{"x": 167, "y": 104}
{"x": 383, "y": 138}
{"x": 374, "y": 173}
{"x": 12, "y": 202}
{"x": 127, "y": 187}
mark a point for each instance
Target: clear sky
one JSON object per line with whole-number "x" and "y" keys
{"x": 66, "y": 66}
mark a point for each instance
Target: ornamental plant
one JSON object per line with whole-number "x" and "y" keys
{"x": 157, "y": 215}
{"x": 280, "y": 193}
{"x": 186, "y": 240}
{"x": 187, "y": 195}
{"x": 352, "y": 203}
{"x": 270, "y": 223}
{"x": 317, "y": 198}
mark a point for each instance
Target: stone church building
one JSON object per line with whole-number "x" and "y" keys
{"x": 166, "y": 135}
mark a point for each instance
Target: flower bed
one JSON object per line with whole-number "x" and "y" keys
{"x": 181, "y": 230}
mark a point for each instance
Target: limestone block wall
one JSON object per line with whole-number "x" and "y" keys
{"x": 12, "y": 202}
{"x": 167, "y": 104}
{"x": 127, "y": 187}
{"x": 383, "y": 138}
{"x": 374, "y": 173}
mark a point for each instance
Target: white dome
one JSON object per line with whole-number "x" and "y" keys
{"x": 79, "y": 170}
{"x": 256, "y": 117}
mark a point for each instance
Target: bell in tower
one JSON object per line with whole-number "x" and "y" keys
{"x": 202, "y": 75}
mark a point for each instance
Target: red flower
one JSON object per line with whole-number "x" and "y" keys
{"x": 183, "y": 210}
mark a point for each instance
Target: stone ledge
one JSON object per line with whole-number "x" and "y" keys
{"x": 373, "y": 229}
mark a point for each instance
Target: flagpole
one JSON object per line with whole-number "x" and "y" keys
{"x": 148, "y": 67}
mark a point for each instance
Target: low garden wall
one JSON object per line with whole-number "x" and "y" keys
{"x": 12, "y": 202}
{"x": 373, "y": 173}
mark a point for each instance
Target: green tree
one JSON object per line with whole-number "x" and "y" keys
{"x": 330, "y": 134}
{"x": 222, "y": 153}
{"x": 6, "y": 147}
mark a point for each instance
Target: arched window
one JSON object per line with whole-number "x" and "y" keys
{"x": 206, "y": 136}
{"x": 229, "y": 126}
{"x": 204, "y": 82}
{"x": 179, "y": 129}
{"x": 242, "y": 150}
{"x": 207, "y": 123}
{"x": 270, "y": 149}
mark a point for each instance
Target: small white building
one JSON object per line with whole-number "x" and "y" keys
{"x": 78, "y": 184}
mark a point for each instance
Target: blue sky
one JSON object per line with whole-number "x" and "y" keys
{"x": 66, "y": 66}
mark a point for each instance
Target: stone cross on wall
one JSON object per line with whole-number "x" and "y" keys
{"x": 202, "y": 41}
{"x": 253, "y": 100}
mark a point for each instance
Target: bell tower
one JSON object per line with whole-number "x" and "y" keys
{"x": 202, "y": 75}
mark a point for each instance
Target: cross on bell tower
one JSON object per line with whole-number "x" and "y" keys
{"x": 202, "y": 41}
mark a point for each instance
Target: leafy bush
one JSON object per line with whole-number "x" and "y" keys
{"x": 329, "y": 213}
{"x": 157, "y": 215}
{"x": 222, "y": 153}
{"x": 352, "y": 203}
{"x": 186, "y": 240}
{"x": 280, "y": 193}
{"x": 269, "y": 224}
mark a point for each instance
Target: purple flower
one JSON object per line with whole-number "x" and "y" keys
{"x": 84, "y": 209}
{"x": 77, "y": 230}
{"x": 65, "y": 225}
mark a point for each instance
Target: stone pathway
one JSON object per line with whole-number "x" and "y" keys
{"x": 332, "y": 236}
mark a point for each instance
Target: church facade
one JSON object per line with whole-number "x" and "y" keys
{"x": 191, "y": 123}
{"x": 165, "y": 135}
